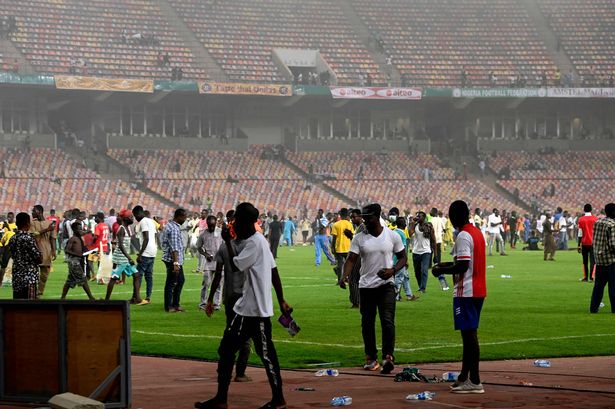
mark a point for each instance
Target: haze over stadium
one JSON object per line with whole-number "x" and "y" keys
{"x": 170, "y": 111}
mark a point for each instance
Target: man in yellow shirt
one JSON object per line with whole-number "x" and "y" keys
{"x": 6, "y": 264}
{"x": 340, "y": 242}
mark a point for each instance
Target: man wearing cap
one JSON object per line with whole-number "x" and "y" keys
{"x": 340, "y": 241}
{"x": 375, "y": 247}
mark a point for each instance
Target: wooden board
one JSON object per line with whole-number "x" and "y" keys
{"x": 93, "y": 349}
{"x": 31, "y": 356}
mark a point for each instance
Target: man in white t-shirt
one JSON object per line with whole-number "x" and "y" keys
{"x": 494, "y": 227}
{"x": 423, "y": 243}
{"x": 253, "y": 311}
{"x": 375, "y": 248}
{"x": 146, "y": 233}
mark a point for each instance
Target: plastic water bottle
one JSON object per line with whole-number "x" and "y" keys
{"x": 542, "y": 363}
{"x": 450, "y": 376}
{"x": 421, "y": 396}
{"x": 505, "y": 276}
{"x": 341, "y": 401}
{"x": 327, "y": 372}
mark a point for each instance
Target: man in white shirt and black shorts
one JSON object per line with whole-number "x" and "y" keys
{"x": 375, "y": 247}
{"x": 252, "y": 311}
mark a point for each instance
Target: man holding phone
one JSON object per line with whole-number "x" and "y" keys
{"x": 375, "y": 248}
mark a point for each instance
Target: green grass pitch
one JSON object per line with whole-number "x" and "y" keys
{"x": 542, "y": 311}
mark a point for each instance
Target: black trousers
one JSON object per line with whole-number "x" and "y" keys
{"x": 274, "y": 243}
{"x": 587, "y": 252}
{"x": 173, "y": 286}
{"x": 437, "y": 255}
{"x": 604, "y": 275}
{"x": 379, "y": 300}
{"x": 27, "y": 293}
{"x": 240, "y": 330}
{"x": 244, "y": 350}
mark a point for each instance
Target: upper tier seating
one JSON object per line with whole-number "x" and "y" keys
{"x": 585, "y": 31}
{"x": 51, "y": 33}
{"x": 430, "y": 42}
{"x": 241, "y": 35}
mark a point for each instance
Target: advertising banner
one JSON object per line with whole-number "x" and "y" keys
{"x": 499, "y": 92}
{"x": 103, "y": 84}
{"x": 226, "y": 88}
{"x": 376, "y": 93}
{"x": 581, "y": 92}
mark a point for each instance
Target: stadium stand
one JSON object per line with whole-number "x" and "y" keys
{"x": 555, "y": 166}
{"x": 290, "y": 197}
{"x": 119, "y": 38}
{"x": 175, "y": 164}
{"x": 570, "y": 194}
{"x": 50, "y": 177}
{"x": 240, "y": 35}
{"x": 41, "y": 162}
{"x": 431, "y": 42}
{"x": 414, "y": 195}
{"x": 585, "y": 31}
{"x": 87, "y": 194}
{"x": 364, "y": 165}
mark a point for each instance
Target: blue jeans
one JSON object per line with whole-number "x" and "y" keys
{"x": 146, "y": 269}
{"x": 402, "y": 280}
{"x": 173, "y": 286}
{"x": 562, "y": 241}
{"x": 421, "y": 268}
{"x": 322, "y": 244}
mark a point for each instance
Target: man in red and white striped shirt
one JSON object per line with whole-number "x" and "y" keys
{"x": 469, "y": 271}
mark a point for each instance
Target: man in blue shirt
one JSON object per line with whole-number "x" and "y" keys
{"x": 173, "y": 257}
{"x": 289, "y": 230}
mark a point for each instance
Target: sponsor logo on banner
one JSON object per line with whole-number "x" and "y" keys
{"x": 245, "y": 89}
{"x": 581, "y": 92}
{"x": 376, "y": 93}
{"x": 103, "y": 84}
{"x": 499, "y": 92}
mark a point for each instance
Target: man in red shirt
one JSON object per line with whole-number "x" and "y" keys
{"x": 101, "y": 233}
{"x": 53, "y": 218}
{"x": 469, "y": 272}
{"x": 586, "y": 244}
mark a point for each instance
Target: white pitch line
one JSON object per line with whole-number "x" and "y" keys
{"x": 198, "y": 289}
{"x": 287, "y": 341}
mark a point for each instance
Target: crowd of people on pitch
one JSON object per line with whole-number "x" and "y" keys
{"x": 369, "y": 250}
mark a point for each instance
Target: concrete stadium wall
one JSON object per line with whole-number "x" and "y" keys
{"x": 198, "y": 144}
{"x": 36, "y": 140}
{"x": 360, "y": 145}
{"x": 559, "y": 145}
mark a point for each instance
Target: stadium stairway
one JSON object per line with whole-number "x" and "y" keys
{"x": 548, "y": 37}
{"x": 125, "y": 170}
{"x": 10, "y": 52}
{"x": 364, "y": 34}
{"x": 491, "y": 180}
{"x": 202, "y": 56}
{"x": 319, "y": 183}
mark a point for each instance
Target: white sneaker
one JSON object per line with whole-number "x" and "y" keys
{"x": 468, "y": 387}
{"x": 445, "y": 288}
